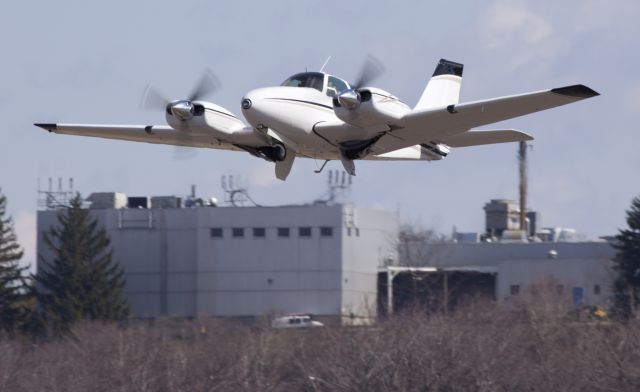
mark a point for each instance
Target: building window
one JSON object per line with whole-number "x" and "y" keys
{"x": 348, "y": 232}
{"x": 283, "y": 232}
{"x": 216, "y": 232}
{"x": 596, "y": 289}
{"x": 304, "y": 232}
{"x": 560, "y": 289}
{"x": 326, "y": 232}
{"x": 237, "y": 232}
{"x": 259, "y": 232}
{"x": 357, "y": 232}
{"x": 515, "y": 289}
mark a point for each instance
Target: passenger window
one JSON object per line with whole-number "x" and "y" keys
{"x": 335, "y": 86}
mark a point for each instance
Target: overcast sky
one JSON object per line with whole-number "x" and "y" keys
{"x": 79, "y": 61}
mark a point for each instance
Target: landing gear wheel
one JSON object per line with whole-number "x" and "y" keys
{"x": 279, "y": 152}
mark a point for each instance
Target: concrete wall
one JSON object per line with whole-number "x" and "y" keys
{"x": 577, "y": 265}
{"x": 256, "y": 276}
{"x": 175, "y": 267}
{"x": 369, "y": 237}
{"x": 560, "y": 277}
{"x": 490, "y": 254}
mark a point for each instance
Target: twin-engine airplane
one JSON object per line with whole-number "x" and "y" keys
{"x": 320, "y": 116}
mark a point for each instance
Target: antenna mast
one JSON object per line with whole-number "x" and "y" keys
{"x": 325, "y": 64}
{"x": 338, "y": 186}
{"x": 522, "y": 163}
{"x": 51, "y": 199}
{"x": 236, "y": 193}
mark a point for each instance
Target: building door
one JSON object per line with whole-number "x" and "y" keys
{"x": 578, "y": 293}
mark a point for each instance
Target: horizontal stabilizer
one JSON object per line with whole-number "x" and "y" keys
{"x": 478, "y": 138}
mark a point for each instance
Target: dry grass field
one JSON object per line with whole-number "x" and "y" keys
{"x": 534, "y": 348}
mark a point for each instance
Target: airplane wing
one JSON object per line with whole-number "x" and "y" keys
{"x": 426, "y": 125}
{"x": 478, "y": 137}
{"x": 156, "y": 134}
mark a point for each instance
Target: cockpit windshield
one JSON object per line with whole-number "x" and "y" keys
{"x": 307, "y": 79}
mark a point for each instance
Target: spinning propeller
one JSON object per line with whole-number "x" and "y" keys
{"x": 184, "y": 109}
{"x": 351, "y": 98}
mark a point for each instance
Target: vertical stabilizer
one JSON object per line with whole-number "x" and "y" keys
{"x": 444, "y": 87}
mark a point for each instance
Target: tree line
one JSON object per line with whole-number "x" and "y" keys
{"x": 80, "y": 282}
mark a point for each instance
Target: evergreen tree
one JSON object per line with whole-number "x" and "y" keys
{"x": 12, "y": 284}
{"x": 82, "y": 281}
{"x": 626, "y": 285}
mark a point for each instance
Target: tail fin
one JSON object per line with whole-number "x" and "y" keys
{"x": 444, "y": 87}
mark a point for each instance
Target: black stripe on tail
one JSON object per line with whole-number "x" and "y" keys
{"x": 446, "y": 67}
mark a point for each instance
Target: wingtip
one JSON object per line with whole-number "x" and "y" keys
{"x": 577, "y": 90}
{"x": 47, "y": 126}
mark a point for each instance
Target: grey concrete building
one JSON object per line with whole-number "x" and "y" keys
{"x": 580, "y": 271}
{"x": 248, "y": 261}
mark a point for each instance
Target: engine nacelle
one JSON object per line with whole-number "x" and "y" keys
{"x": 434, "y": 151}
{"x": 376, "y": 108}
{"x": 200, "y": 117}
{"x": 275, "y": 153}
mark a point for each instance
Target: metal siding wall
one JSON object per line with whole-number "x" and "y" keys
{"x": 570, "y": 273}
{"x": 176, "y": 267}
{"x": 363, "y": 252}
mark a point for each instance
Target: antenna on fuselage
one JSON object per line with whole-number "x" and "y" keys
{"x": 325, "y": 64}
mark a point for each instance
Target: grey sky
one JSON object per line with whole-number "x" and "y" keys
{"x": 78, "y": 61}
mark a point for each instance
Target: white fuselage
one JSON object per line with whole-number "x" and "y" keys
{"x": 291, "y": 114}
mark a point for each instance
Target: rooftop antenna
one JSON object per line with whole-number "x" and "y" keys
{"x": 51, "y": 199}
{"x": 338, "y": 186}
{"x": 325, "y": 64}
{"x": 236, "y": 193}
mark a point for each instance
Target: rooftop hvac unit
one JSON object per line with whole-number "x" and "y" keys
{"x": 107, "y": 200}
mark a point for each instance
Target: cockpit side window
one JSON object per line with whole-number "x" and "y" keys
{"x": 335, "y": 86}
{"x": 307, "y": 79}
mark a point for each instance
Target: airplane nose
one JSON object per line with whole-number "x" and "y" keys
{"x": 251, "y": 107}
{"x": 250, "y": 99}
{"x": 257, "y": 108}
{"x": 252, "y": 102}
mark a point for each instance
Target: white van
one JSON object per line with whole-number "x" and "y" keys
{"x": 295, "y": 321}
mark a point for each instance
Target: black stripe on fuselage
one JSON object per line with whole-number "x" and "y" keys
{"x": 389, "y": 97}
{"x": 313, "y": 129}
{"x": 219, "y": 112}
{"x": 302, "y": 101}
